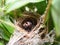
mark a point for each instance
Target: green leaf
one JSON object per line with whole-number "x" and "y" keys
{"x": 7, "y": 29}
{"x": 4, "y": 36}
{"x": 41, "y": 6}
{"x": 34, "y": 1}
{"x": 15, "y": 4}
{"x": 56, "y": 15}
{"x": 1, "y": 43}
{"x": 8, "y": 25}
{"x": 56, "y": 43}
{"x": 0, "y": 3}
{"x": 4, "y": 33}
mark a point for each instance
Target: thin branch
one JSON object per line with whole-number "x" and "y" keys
{"x": 44, "y": 16}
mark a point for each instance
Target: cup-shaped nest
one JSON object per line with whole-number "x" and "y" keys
{"x": 28, "y": 21}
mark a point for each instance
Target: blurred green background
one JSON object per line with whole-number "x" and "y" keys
{"x": 11, "y": 10}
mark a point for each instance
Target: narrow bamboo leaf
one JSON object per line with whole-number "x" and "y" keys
{"x": 34, "y": 1}
{"x": 15, "y": 4}
{"x": 3, "y": 29}
{"x": 8, "y": 26}
{"x": 56, "y": 15}
{"x": 8, "y": 23}
{"x": 4, "y": 33}
{"x": 4, "y": 36}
